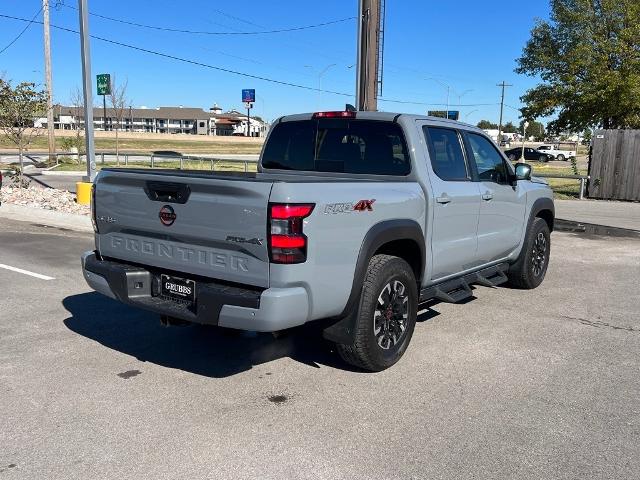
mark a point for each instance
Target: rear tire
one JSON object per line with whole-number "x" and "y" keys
{"x": 561, "y": 158}
{"x": 531, "y": 267}
{"x": 386, "y": 315}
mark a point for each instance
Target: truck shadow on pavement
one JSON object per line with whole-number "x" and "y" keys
{"x": 198, "y": 349}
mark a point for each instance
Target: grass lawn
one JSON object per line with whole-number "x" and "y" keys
{"x": 562, "y": 189}
{"x": 149, "y": 145}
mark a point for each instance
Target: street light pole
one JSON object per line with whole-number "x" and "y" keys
{"x": 444, "y": 85}
{"x": 87, "y": 90}
{"x": 467, "y": 115}
{"x": 524, "y": 134}
{"x": 448, "y": 88}
{"x": 48, "y": 80}
{"x": 320, "y": 74}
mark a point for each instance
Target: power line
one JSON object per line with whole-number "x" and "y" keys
{"x": 411, "y": 102}
{"x": 235, "y": 72}
{"x": 204, "y": 32}
{"x": 185, "y": 60}
{"x": 22, "y": 32}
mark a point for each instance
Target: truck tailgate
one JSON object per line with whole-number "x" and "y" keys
{"x": 193, "y": 223}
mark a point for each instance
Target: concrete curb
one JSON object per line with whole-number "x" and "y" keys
{"x": 51, "y": 218}
{"x": 63, "y": 174}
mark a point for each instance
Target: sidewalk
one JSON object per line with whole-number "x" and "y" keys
{"x": 40, "y": 216}
{"x": 600, "y": 212}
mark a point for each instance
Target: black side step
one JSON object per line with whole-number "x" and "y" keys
{"x": 458, "y": 289}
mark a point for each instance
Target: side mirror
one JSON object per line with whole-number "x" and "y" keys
{"x": 523, "y": 171}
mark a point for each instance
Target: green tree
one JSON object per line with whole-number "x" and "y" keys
{"x": 588, "y": 58}
{"x": 509, "y": 127}
{"x": 19, "y": 107}
{"x": 487, "y": 125}
{"x": 534, "y": 129}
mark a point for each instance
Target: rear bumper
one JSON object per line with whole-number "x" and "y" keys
{"x": 219, "y": 304}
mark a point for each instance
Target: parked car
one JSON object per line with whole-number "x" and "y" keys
{"x": 167, "y": 153}
{"x": 529, "y": 154}
{"x": 0, "y": 185}
{"x": 353, "y": 219}
{"x": 557, "y": 152}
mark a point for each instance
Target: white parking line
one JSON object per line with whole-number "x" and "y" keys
{"x": 26, "y": 272}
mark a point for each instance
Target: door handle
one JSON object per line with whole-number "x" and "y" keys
{"x": 444, "y": 199}
{"x": 487, "y": 196}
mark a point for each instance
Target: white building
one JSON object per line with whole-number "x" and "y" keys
{"x": 194, "y": 121}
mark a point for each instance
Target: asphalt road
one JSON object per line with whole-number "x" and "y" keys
{"x": 513, "y": 384}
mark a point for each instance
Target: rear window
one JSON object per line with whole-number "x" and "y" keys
{"x": 338, "y": 145}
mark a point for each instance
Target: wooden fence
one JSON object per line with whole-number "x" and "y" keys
{"x": 614, "y": 168}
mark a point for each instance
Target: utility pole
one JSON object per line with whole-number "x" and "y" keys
{"x": 369, "y": 58}
{"x": 48, "y": 81}
{"x": 503, "y": 85}
{"x": 87, "y": 89}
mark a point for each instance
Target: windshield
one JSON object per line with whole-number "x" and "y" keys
{"x": 338, "y": 145}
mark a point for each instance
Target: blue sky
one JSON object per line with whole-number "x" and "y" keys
{"x": 466, "y": 44}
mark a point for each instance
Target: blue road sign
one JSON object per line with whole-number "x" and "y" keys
{"x": 249, "y": 95}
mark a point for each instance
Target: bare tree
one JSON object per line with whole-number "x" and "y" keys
{"x": 19, "y": 107}
{"x": 77, "y": 110}
{"x": 119, "y": 101}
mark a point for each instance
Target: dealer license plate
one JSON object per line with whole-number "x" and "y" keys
{"x": 178, "y": 289}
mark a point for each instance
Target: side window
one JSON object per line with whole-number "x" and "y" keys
{"x": 446, "y": 154}
{"x": 491, "y": 166}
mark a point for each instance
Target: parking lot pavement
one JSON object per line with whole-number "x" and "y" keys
{"x": 613, "y": 214}
{"x": 513, "y": 384}
{"x": 61, "y": 182}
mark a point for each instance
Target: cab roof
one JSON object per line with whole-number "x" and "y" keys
{"x": 384, "y": 116}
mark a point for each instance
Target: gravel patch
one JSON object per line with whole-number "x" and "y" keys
{"x": 45, "y": 198}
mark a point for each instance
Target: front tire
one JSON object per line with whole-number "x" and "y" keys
{"x": 386, "y": 315}
{"x": 543, "y": 159}
{"x": 561, "y": 158}
{"x": 531, "y": 267}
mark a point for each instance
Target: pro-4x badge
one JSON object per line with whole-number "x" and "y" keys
{"x": 360, "y": 206}
{"x": 363, "y": 205}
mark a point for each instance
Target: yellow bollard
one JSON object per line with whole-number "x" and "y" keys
{"x": 83, "y": 193}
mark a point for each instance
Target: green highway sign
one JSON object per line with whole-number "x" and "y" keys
{"x": 104, "y": 84}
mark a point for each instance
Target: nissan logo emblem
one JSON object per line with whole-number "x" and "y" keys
{"x": 167, "y": 215}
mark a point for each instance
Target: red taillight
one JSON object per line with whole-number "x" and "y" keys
{"x": 287, "y": 242}
{"x": 289, "y": 211}
{"x": 341, "y": 114}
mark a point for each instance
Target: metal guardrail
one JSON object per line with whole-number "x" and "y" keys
{"x": 131, "y": 158}
{"x": 583, "y": 180}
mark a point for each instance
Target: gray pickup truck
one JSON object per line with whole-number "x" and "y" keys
{"x": 353, "y": 218}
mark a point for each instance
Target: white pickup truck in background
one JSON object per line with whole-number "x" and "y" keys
{"x": 557, "y": 152}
